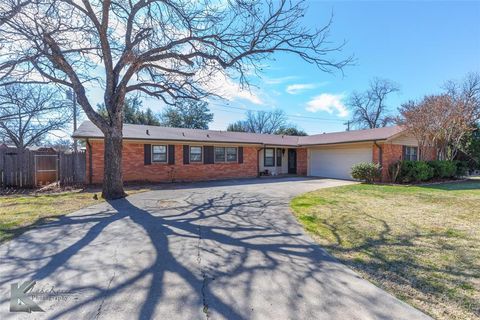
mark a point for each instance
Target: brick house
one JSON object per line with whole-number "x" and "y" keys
{"x": 161, "y": 154}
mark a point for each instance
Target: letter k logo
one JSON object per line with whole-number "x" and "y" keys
{"x": 19, "y": 301}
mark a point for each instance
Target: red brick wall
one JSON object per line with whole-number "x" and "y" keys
{"x": 394, "y": 152}
{"x": 391, "y": 154}
{"x": 135, "y": 170}
{"x": 302, "y": 161}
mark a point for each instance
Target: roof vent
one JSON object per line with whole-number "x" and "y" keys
{"x": 148, "y": 133}
{"x": 183, "y": 134}
{"x": 208, "y": 136}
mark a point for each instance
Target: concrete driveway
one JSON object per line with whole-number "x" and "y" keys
{"x": 216, "y": 250}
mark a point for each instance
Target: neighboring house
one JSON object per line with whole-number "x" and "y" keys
{"x": 162, "y": 154}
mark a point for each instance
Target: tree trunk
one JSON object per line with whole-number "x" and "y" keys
{"x": 112, "y": 174}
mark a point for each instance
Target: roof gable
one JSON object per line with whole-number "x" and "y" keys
{"x": 352, "y": 136}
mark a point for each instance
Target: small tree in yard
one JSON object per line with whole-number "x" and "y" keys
{"x": 165, "y": 49}
{"x": 443, "y": 121}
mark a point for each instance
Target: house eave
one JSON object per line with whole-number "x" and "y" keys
{"x": 186, "y": 141}
{"x": 340, "y": 143}
{"x": 242, "y": 142}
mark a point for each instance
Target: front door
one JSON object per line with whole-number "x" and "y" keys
{"x": 292, "y": 161}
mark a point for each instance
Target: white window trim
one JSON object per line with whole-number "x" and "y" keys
{"x": 190, "y": 154}
{"x": 225, "y": 155}
{"x": 166, "y": 153}
{"x": 215, "y": 154}
{"x": 236, "y": 155}
{"x": 274, "y": 156}
{"x": 416, "y": 153}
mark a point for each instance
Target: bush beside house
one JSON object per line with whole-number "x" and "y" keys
{"x": 443, "y": 169}
{"x": 420, "y": 171}
{"x": 405, "y": 171}
{"x": 366, "y": 171}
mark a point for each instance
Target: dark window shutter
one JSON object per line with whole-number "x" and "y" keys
{"x": 171, "y": 154}
{"x": 404, "y": 153}
{"x": 147, "y": 154}
{"x": 186, "y": 154}
{"x": 208, "y": 157}
{"x": 240, "y": 154}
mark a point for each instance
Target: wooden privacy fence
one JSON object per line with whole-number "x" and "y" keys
{"x": 46, "y": 168}
{"x": 72, "y": 168}
{"x": 30, "y": 169}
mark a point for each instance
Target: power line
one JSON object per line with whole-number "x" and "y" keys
{"x": 288, "y": 115}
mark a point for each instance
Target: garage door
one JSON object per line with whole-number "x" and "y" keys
{"x": 337, "y": 163}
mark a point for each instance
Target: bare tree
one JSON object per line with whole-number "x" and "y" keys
{"x": 443, "y": 121}
{"x": 164, "y": 49}
{"x": 29, "y": 112}
{"x": 260, "y": 122}
{"x": 417, "y": 118}
{"x": 61, "y": 144}
{"x": 369, "y": 107}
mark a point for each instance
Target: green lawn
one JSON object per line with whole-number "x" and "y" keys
{"x": 422, "y": 244}
{"x": 19, "y": 213}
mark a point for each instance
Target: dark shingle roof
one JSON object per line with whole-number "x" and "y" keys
{"x": 351, "y": 136}
{"x": 133, "y": 131}
{"x": 145, "y": 132}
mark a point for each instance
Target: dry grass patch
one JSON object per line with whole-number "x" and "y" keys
{"x": 419, "y": 243}
{"x": 19, "y": 213}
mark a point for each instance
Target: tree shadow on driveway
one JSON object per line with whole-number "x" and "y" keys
{"x": 222, "y": 255}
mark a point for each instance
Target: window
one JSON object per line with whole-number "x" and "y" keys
{"x": 159, "y": 153}
{"x": 231, "y": 154}
{"x": 195, "y": 154}
{"x": 279, "y": 157}
{"x": 411, "y": 153}
{"x": 269, "y": 157}
{"x": 226, "y": 154}
{"x": 219, "y": 154}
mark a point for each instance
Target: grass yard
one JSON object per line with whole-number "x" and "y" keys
{"x": 421, "y": 244}
{"x": 19, "y": 213}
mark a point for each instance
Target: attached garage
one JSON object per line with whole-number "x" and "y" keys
{"x": 336, "y": 162}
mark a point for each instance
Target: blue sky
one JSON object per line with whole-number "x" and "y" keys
{"x": 417, "y": 44}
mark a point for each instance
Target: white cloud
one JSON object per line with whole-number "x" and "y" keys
{"x": 328, "y": 102}
{"x": 222, "y": 85}
{"x": 300, "y": 87}
{"x": 234, "y": 91}
{"x": 280, "y": 80}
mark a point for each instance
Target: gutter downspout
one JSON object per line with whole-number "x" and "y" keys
{"x": 90, "y": 169}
